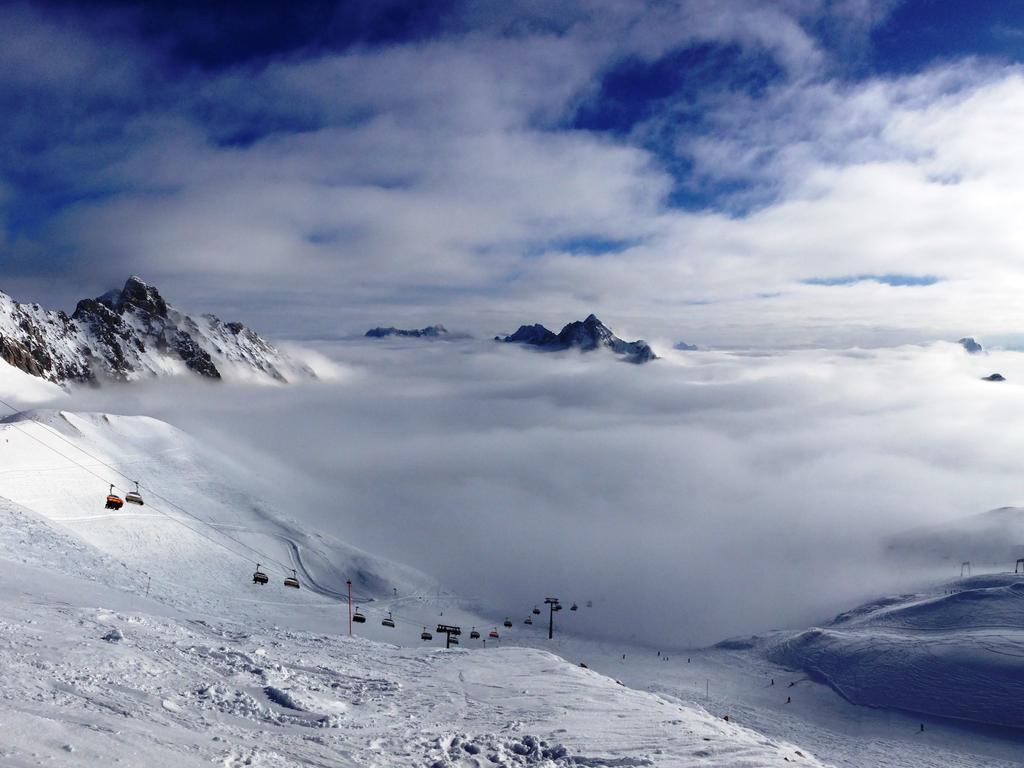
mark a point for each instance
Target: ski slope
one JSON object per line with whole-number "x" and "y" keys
{"x": 957, "y": 652}
{"x": 128, "y": 637}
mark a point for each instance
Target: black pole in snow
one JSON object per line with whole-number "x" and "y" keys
{"x": 552, "y": 607}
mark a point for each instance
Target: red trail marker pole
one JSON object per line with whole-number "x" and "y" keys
{"x": 349, "y": 582}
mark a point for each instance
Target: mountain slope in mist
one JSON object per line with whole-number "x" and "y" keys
{"x": 992, "y": 539}
{"x": 954, "y": 652}
{"x": 134, "y": 333}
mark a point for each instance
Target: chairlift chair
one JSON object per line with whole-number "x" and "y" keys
{"x": 508, "y": 623}
{"x": 474, "y": 635}
{"x": 590, "y": 603}
{"x": 388, "y": 622}
{"x": 358, "y": 618}
{"x": 493, "y": 634}
{"x": 424, "y": 635}
{"x": 113, "y": 500}
{"x": 259, "y": 577}
{"x": 574, "y": 607}
{"x": 529, "y": 620}
{"x": 453, "y": 640}
{"x": 536, "y": 611}
{"x": 292, "y": 581}
{"x": 134, "y": 497}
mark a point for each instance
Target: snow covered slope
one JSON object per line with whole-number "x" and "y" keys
{"x": 957, "y": 652}
{"x": 128, "y": 637}
{"x": 203, "y": 538}
{"x": 134, "y": 333}
{"x": 94, "y": 676}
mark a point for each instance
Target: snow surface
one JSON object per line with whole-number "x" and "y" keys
{"x": 139, "y": 341}
{"x": 957, "y": 652}
{"x": 128, "y": 638}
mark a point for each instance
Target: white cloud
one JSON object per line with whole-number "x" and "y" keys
{"x": 704, "y": 495}
{"x": 443, "y": 168}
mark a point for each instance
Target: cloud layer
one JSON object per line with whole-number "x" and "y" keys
{"x": 705, "y": 495}
{"x": 442, "y": 170}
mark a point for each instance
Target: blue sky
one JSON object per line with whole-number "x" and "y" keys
{"x": 303, "y": 167}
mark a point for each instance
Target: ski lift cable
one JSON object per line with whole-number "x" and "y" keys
{"x": 150, "y": 491}
{"x": 154, "y": 493}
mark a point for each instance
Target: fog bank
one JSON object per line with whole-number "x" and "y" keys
{"x": 704, "y": 495}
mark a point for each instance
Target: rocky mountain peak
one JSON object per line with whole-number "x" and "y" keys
{"x": 133, "y": 333}
{"x": 970, "y": 344}
{"x": 139, "y": 295}
{"x": 585, "y": 335}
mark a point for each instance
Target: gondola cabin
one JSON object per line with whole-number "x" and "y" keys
{"x": 508, "y": 623}
{"x": 358, "y": 618}
{"x": 259, "y": 577}
{"x": 474, "y": 635}
{"x": 292, "y": 581}
{"x": 424, "y": 635}
{"x": 388, "y": 622}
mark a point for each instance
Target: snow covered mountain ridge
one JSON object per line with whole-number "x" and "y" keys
{"x": 583, "y": 335}
{"x": 133, "y": 333}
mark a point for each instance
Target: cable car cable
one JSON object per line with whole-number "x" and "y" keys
{"x": 122, "y": 474}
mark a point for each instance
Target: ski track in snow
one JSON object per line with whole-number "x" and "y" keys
{"x": 212, "y": 670}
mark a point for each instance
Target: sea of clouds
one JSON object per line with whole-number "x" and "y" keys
{"x": 701, "y": 496}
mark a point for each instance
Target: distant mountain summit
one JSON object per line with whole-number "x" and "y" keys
{"x": 584, "y": 335}
{"x": 430, "y": 332}
{"x": 133, "y": 333}
{"x": 969, "y": 344}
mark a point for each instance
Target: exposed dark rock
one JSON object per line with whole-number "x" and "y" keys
{"x": 537, "y": 335}
{"x": 584, "y": 335}
{"x": 430, "y": 332}
{"x": 682, "y": 346}
{"x": 970, "y": 345}
{"x": 994, "y": 377}
{"x": 131, "y": 333}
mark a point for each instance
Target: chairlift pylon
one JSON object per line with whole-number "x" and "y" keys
{"x": 259, "y": 577}
{"x": 292, "y": 581}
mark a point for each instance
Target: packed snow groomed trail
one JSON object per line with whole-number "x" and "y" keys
{"x": 212, "y": 669}
{"x": 957, "y": 652}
